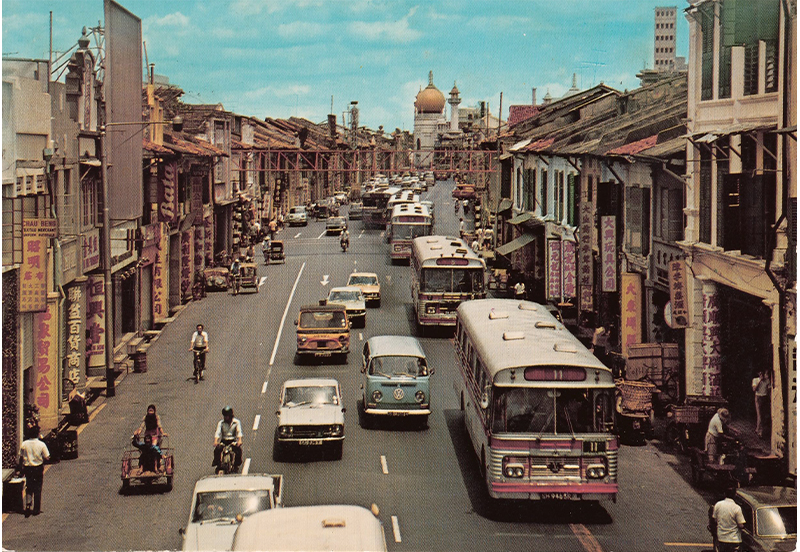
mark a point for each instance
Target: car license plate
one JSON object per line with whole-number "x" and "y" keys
{"x": 559, "y": 496}
{"x": 310, "y": 441}
{"x": 398, "y": 413}
{"x": 323, "y": 354}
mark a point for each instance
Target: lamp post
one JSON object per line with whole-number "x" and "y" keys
{"x": 177, "y": 125}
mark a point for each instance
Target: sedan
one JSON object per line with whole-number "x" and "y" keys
{"x": 353, "y": 301}
{"x": 370, "y": 286}
{"x": 335, "y": 225}
{"x": 770, "y": 518}
{"x": 310, "y": 415}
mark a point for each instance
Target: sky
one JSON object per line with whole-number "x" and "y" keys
{"x": 283, "y": 58}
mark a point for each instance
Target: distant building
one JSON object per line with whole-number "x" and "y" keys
{"x": 665, "y": 61}
{"x": 428, "y": 116}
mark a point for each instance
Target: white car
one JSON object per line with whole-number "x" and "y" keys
{"x": 353, "y": 300}
{"x": 221, "y": 502}
{"x": 297, "y": 216}
{"x": 311, "y": 415}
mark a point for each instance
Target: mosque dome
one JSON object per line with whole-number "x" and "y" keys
{"x": 430, "y": 99}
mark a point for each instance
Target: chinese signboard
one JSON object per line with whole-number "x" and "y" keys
{"x": 161, "y": 275}
{"x": 167, "y": 192}
{"x": 712, "y": 358}
{"x": 199, "y": 248}
{"x": 554, "y": 270}
{"x": 45, "y": 387}
{"x": 33, "y": 276}
{"x": 95, "y": 321}
{"x": 585, "y": 264}
{"x": 90, "y": 250}
{"x": 208, "y": 235}
{"x": 75, "y": 359}
{"x": 187, "y": 254}
{"x": 677, "y": 294}
{"x": 631, "y": 317}
{"x": 608, "y": 252}
{"x": 568, "y": 269}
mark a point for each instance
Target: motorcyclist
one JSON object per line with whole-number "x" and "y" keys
{"x": 229, "y": 431}
{"x": 199, "y": 345}
{"x": 344, "y": 239}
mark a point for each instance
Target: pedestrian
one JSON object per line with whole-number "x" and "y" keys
{"x": 32, "y": 454}
{"x": 519, "y": 290}
{"x": 475, "y": 246}
{"x": 727, "y": 521}
{"x": 717, "y": 429}
{"x": 273, "y": 226}
{"x": 762, "y": 387}
{"x": 461, "y": 226}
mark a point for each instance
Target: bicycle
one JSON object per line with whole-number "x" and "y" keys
{"x": 199, "y": 368}
{"x": 236, "y": 283}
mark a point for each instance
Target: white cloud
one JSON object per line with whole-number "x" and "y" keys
{"x": 250, "y": 8}
{"x": 172, "y": 21}
{"x": 273, "y": 91}
{"x": 392, "y": 31}
{"x": 494, "y": 22}
{"x": 300, "y": 29}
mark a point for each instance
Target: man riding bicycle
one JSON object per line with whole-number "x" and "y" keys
{"x": 229, "y": 431}
{"x": 235, "y": 270}
{"x": 199, "y": 345}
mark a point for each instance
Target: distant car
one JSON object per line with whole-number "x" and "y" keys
{"x": 221, "y": 502}
{"x": 355, "y": 212}
{"x": 335, "y": 225}
{"x": 770, "y": 519}
{"x": 297, "y": 216}
{"x": 464, "y": 191}
{"x": 353, "y": 301}
{"x": 370, "y": 286}
{"x": 341, "y": 198}
{"x": 311, "y": 414}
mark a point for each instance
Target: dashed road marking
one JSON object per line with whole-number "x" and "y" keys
{"x": 323, "y": 233}
{"x": 361, "y": 234}
{"x": 246, "y": 467}
{"x": 256, "y": 422}
{"x": 360, "y": 336}
{"x": 396, "y": 529}
{"x": 297, "y": 235}
{"x": 264, "y": 387}
{"x": 384, "y": 465}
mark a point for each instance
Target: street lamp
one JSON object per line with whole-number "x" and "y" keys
{"x": 177, "y": 125}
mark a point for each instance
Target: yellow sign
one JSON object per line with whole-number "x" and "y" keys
{"x": 631, "y": 310}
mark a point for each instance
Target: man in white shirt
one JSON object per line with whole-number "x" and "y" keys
{"x": 729, "y": 522}
{"x": 229, "y": 431}
{"x": 32, "y": 454}
{"x": 199, "y": 345}
{"x": 717, "y": 427}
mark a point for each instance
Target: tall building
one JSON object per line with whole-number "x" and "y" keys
{"x": 664, "y": 48}
{"x": 428, "y": 115}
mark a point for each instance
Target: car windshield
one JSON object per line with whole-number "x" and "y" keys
{"x": 528, "y": 410}
{"x": 452, "y": 280}
{"x": 777, "y": 521}
{"x": 346, "y": 296}
{"x": 226, "y": 505}
{"x": 323, "y": 319}
{"x": 398, "y": 366}
{"x": 363, "y": 281}
{"x": 317, "y": 395}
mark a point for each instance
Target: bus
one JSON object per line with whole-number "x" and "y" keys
{"x": 445, "y": 272}
{"x": 538, "y": 406}
{"x": 409, "y": 221}
{"x": 374, "y": 204}
{"x": 400, "y": 198}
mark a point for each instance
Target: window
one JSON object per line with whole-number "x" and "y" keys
{"x": 707, "y": 55}
{"x": 89, "y": 201}
{"x": 529, "y": 193}
{"x": 637, "y": 221}
{"x": 705, "y": 195}
{"x": 573, "y": 197}
{"x": 558, "y": 195}
{"x": 520, "y": 184}
{"x": 543, "y": 183}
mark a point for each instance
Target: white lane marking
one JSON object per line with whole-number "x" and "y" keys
{"x": 262, "y": 281}
{"x": 246, "y": 467}
{"x": 396, "y": 529}
{"x": 256, "y": 422}
{"x": 283, "y": 318}
{"x": 323, "y": 233}
{"x": 264, "y": 388}
{"x": 297, "y": 235}
{"x": 384, "y": 465}
{"x": 325, "y": 280}
{"x": 361, "y": 234}
{"x": 360, "y": 336}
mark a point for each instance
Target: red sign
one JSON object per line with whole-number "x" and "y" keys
{"x": 90, "y": 250}
{"x": 712, "y": 351}
{"x": 45, "y": 386}
{"x": 547, "y": 373}
{"x": 677, "y": 294}
{"x": 608, "y": 252}
{"x": 554, "y": 269}
{"x": 586, "y": 263}
{"x": 187, "y": 249}
{"x": 568, "y": 269}
{"x": 160, "y": 282}
{"x": 630, "y": 315}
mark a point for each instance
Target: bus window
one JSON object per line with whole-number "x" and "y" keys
{"x": 435, "y": 281}
{"x": 522, "y": 410}
{"x": 573, "y": 412}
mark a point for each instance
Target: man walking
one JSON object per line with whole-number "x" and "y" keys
{"x": 32, "y": 455}
{"x": 728, "y": 518}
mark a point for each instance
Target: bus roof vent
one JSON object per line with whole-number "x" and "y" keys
{"x": 432, "y": 240}
{"x": 461, "y": 251}
{"x": 524, "y": 305}
{"x": 496, "y": 315}
{"x": 333, "y": 522}
{"x": 546, "y": 324}
{"x": 564, "y": 348}
{"x": 512, "y": 336}
{"x": 436, "y": 247}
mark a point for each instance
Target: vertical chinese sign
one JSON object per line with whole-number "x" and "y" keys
{"x": 167, "y": 192}
{"x": 631, "y": 315}
{"x": 187, "y": 257}
{"x": 554, "y": 270}
{"x": 712, "y": 353}
{"x": 33, "y": 276}
{"x": 45, "y": 386}
{"x": 677, "y": 294}
{"x": 586, "y": 264}
{"x": 199, "y": 248}
{"x": 90, "y": 250}
{"x": 608, "y": 252}
{"x": 75, "y": 359}
{"x": 569, "y": 271}
{"x": 161, "y": 275}
{"x": 208, "y": 238}
{"x": 95, "y": 322}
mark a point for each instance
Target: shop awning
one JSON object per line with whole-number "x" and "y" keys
{"x": 740, "y": 128}
{"x": 513, "y": 245}
{"x": 505, "y": 205}
{"x": 520, "y": 218}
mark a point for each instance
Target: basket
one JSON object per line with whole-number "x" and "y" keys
{"x": 686, "y": 414}
{"x": 636, "y": 395}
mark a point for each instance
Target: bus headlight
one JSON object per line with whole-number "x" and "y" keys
{"x": 419, "y": 396}
{"x": 377, "y": 395}
{"x": 596, "y": 471}
{"x": 514, "y": 470}
{"x": 430, "y": 309}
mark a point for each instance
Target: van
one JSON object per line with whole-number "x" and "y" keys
{"x": 323, "y": 331}
{"x": 330, "y": 527}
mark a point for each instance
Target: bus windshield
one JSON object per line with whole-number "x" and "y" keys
{"x": 451, "y": 280}
{"x": 547, "y": 411}
{"x": 409, "y": 231}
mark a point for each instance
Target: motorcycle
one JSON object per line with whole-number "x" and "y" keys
{"x": 227, "y": 460}
{"x": 345, "y": 244}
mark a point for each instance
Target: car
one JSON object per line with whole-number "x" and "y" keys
{"x": 770, "y": 519}
{"x": 353, "y": 300}
{"x": 341, "y": 198}
{"x": 335, "y": 225}
{"x": 464, "y": 191}
{"x": 221, "y": 502}
{"x": 311, "y": 414}
{"x": 297, "y": 216}
{"x": 370, "y": 286}
{"x": 396, "y": 379}
{"x": 323, "y": 331}
{"x": 355, "y": 212}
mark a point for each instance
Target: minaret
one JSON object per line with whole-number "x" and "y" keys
{"x": 454, "y": 100}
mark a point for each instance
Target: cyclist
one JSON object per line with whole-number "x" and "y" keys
{"x": 235, "y": 270}
{"x": 199, "y": 345}
{"x": 229, "y": 431}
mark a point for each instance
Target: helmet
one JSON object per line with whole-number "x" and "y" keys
{"x": 227, "y": 411}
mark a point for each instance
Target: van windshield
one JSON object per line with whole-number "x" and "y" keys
{"x": 323, "y": 320}
{"x": 398, "y": 366}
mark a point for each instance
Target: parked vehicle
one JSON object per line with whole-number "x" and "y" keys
{"x": 311, "y": 414}
{"x": 322, "y": 331}
{"x": 221, "y": 502}
{"x": 297, "y": 216}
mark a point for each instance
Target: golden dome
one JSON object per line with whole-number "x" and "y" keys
{"x": 430, "y": 99}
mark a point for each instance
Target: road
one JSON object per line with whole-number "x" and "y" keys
{"x": 425, "y": 482}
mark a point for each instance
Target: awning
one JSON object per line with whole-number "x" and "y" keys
{"x": 505, "y": 205}
{"x": 505, "y": 156}
{"x": 513, "y": 245}
{"x": 91, "y": 161}
{"x": 739, "y": 128}
{"x": 520, "y": 218}
{"x": 519, "y": 145}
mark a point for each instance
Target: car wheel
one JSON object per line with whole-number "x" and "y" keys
{"x": 277, "y": 449}
{"x": 337, "y": 450}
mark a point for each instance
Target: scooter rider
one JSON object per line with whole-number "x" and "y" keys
{"x": 229, "y": 430}
{"x": 344, "y": 239}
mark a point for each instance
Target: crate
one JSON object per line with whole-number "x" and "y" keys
{"x": 686, "y": 414}
{"x": 652, "y": 361}
{"x": 636, "y": 395}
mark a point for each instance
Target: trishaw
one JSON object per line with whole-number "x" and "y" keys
{"x": 730, "y": 469}
{"x": 634, "y": 406}
{"x": 135, "y": 469}
{"x": 687, "y": 423}
{"x": 216, "y": 278}
{"x": 248, "y": 277}
{"x": 276, "y": 255}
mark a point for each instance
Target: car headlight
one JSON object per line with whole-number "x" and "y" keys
{"x": 596, "y": 471}
{"x": 302, "y": 340}
{"x": 285, "y": 431}
{"x": 336, "y": 430}
{"x": 419, "y": 396}
{"x": 377, "y": 395}
{"x": 343, "y": 339}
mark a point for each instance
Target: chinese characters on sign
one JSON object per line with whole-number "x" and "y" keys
{"x": 554, "y": 270}
{"x": 199, "y": 248}
{"x": 90, "y": 250}
{"x": 568, "y": 269}
{"x": 677, "y": 294}
{"x": 630, "y": 318}
{"x": 33, "y": 276}
{"x": 45, "y": 387}
{"x": 75, "y": 335}
{"x": 586, "y": 265}
{"x": 608, "y": 252}
{"x": 712, "y": 358}
{"x": 95, "y": 321}
{"x": 160, "y": 279}
{"x": 208, "y": 235}
{"x": 186, "y": 264}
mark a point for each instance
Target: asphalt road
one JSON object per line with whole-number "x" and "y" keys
{"x": 425, "y": 482}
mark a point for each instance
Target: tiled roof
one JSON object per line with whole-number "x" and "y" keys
{"x": 155, "y": 148}
{"x": 635, "y": 147}
{"x": 540, "y": 145}
{"x": 519, "y": 113}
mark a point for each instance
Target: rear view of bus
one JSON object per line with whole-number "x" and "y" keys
{"x": 537, "y": 404}
{"x": 409, "y": 221}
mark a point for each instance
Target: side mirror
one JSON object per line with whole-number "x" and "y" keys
{"x": 344, "y": 410}
{"x": 295, "y": 322}
{"x": 431, "y": 371}
{"x": 485, "y": 399}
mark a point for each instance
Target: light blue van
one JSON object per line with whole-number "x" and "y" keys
{"x": 397, "y": 379}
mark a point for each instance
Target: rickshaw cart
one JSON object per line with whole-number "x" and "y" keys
{"x": 634, "y": 406}
{"x": 248, "y": 275}
{"x": 132, "y": 472}
{"x": 276, "y": 254}
{"x": 216, "y": 279}
{"x": 687, "y": 423}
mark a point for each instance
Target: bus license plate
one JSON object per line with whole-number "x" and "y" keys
{"x": 310, "y": 441}
{"x": 559, "y": 496}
